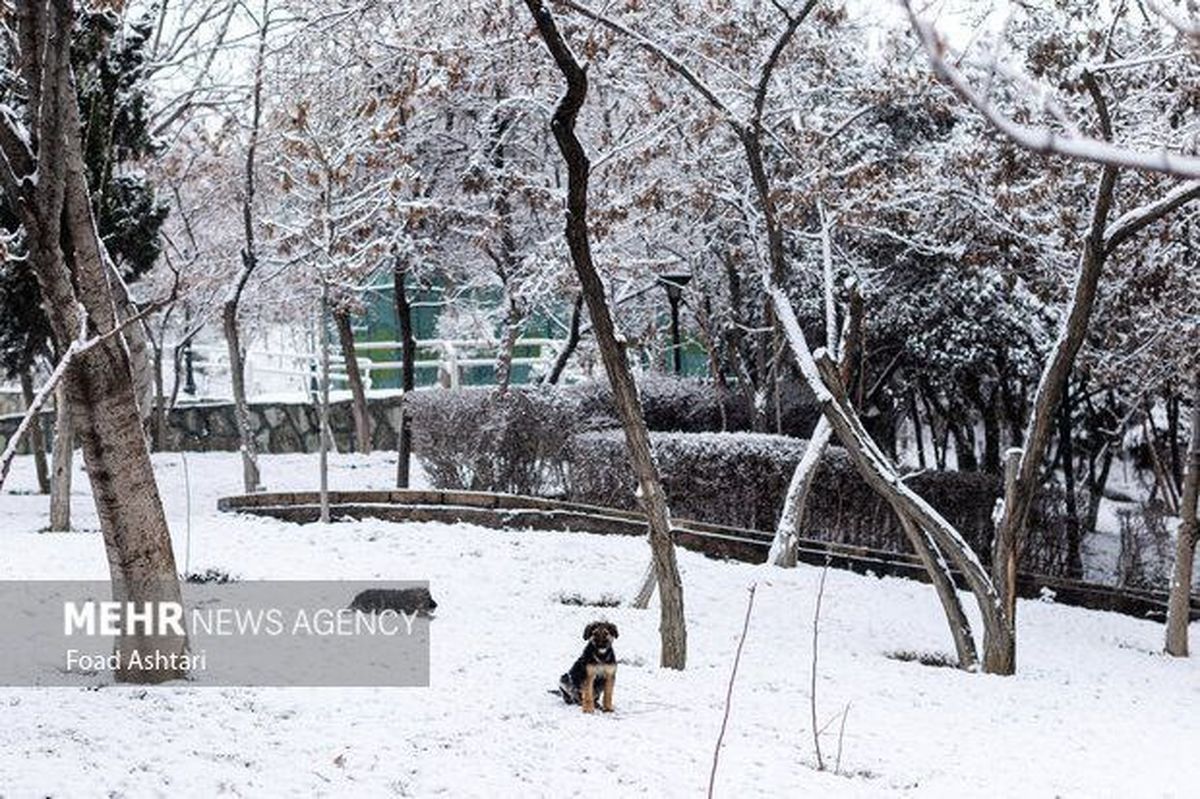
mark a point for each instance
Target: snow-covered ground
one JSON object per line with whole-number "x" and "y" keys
{"x": 1095, "y": 710}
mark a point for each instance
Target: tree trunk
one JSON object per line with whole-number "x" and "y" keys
{"x": 1021, "y": 487}
{"x": 791, "y": 519}
{"x": 990, "y": 414}
{"x": 672, "y": 625}
{"x": 568, "y": 350}
{"x": 712, "y": 350}
{"x": 1179, "y": 603}
{"x": 787, "y": 533}
{"x": 326, "y": 434}
{"x": 943, "y": 584}
{"x": 362, "y": 416}
{"x": 1066, "y": 451}
{"x": 251, "y": 480}
{"x": 964, "y": 446}
{"x": 37, "y": 436}
{"x": 1097, "y": 480}
{"x": 408, "y": 359}
{"x": 62, "y": 461}
{"x": 159, "y": 412}
{"x": 918, "y": 432}
{"x": 504, "y": 359}
{"x": 1172, "y": 401}
{"x": 1162, "y": 480}
{"x": 73, "y": 272}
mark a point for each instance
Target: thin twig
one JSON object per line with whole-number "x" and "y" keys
{"x": 812, "y": 696}
{"x": 712, "y": 777}
{"x": 187, "y": 494}
{"x": 837, "y": 762}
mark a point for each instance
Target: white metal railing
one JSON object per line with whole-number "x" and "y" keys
{"x": 268, "y": 371}
{"x": 454, "y": 355}
{"x": 279, "y": 371}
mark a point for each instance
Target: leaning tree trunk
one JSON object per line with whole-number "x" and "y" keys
{"x": 62, "y": 460}
{"x": 787, "y": 532}
{"x": 37, "y": 437}
{"x": 362, "y": 417}
{"x": 873, "y": 465}
{"x": 408, "y": 360}
{"x": 1179, "y": 604}
{"x": 672, "y": 627}
{"x": 783, "y": 548}
{"x": 1021, "y": 479}
{"x": 73, "y": 273}
{"x": 795, "y": 503}
{"x": 939, "y": 574}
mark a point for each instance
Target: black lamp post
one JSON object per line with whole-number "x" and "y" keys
{"x": 189, "y": 387}
{"x": 674, "y": 285}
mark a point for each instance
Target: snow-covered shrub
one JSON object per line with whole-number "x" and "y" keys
{"x": 472, "y": 438}
{"x": 476, "y": 439}
{"x": 740, "y": 479}
{"x": 1045, "y": 550}
{"x": 690, "y": 405}
{"x": 1146, "y": 554}
{"x": 724, "y": 478}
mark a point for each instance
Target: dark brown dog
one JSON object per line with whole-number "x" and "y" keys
{"x": 409, "y": 601}
{"x": 594, "y": 671}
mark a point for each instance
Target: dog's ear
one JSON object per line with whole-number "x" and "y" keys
{"x": 587, "y": 631}
{"x": 612, "y": 629}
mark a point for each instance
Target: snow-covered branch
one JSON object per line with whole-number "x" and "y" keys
{"x": 1043, "y": 140}
{"x": 1134, "y": 220}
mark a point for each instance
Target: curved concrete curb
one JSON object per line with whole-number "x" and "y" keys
{"x": 510, "y": 511}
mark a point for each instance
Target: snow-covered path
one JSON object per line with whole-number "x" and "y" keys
{"x": 1095, "y": 711}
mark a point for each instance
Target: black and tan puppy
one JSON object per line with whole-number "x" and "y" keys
{"x": 594, "y": 671}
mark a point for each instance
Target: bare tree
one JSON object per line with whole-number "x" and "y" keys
{"x": 1024, "y": 463}
{"x": 672, "y": 626}
{"x": 229, "y": 312}
{"x": 929, "y": 533}
{"x": 1179, "y": 604}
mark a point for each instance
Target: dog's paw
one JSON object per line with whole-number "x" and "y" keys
{"x": 607, "y": 709}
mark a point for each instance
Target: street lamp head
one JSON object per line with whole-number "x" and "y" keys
{"x": 674, "y": 284}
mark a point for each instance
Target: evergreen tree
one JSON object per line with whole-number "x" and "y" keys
{"x": 111, "y": 85}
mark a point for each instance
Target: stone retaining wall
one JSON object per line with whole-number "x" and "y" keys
{"x": 280, "y": 427}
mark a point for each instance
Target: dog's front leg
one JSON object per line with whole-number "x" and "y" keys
{"x": 610, "y": 677}
{"x": 589, "y": 691}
